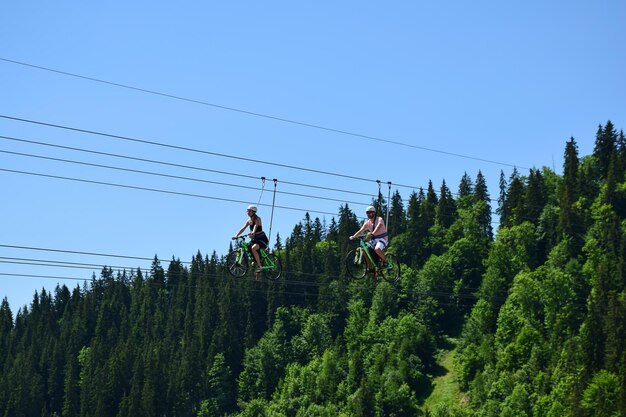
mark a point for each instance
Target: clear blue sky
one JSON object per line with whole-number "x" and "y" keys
{"x": 501, "y": 84}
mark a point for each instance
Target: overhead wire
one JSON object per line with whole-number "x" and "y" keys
{"x": 133, "y": 187}
{"x": 196, "y": 150}
{"x": 434, "y": 292}
{"x": 137, "y": 171}
{"x": 59, "y": 264}
{"x": 318, "y": 286}
{"x": 257, "y": 114}
{"x": 209, "y": 170}
{"x": 201, "y": 180}
{"x": 191, "y": 167}
{"x": 83, "y": 253}
{"x": 223, "y": 155}
{"x": 185, "y": 148}
{"x": 202, "y": 151}
{"x": 185, "y": 178}
{"x": 185, "y": 194}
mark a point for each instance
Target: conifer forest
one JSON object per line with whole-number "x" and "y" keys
{"x": 517, "y": 313}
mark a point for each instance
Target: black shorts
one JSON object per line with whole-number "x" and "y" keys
{"x": 261, "y": 239}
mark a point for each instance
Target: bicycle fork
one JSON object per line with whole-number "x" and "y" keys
{"x": 358, "y": 257}
{"x": 239, "y": 259}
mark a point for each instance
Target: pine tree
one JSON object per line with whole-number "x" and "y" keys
{"x": 6, "y": 325}
{"x": 278, "y": 246}
{"x": 620, "y": 168}
{"x": 515, "y": 200}
{"x": 481, "y": 194}
{"x": 605, "y": 147}
{"x": 414, "y": 251}
{"x": 71, "y": 396}
{"x": 569, "y": 221}
{"x": 466, "y": 190}
{"x": 534, "y": 196}
{"x": 397, "y": 216}
{"x": 333, "y": 231}
{"x": 502, "y": 209}
{"x": 446, "y": 207}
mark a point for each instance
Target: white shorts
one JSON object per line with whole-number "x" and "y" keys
{"x": 378, "y": 243}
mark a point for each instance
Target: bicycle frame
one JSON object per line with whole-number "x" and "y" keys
{"x": 365, "y": 248}
{"x": 358, "y": 265}
{"x": 268, "y": 263}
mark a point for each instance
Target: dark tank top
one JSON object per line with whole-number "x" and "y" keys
{"x": 259, "y": 228}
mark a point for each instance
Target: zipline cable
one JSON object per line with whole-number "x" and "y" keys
{"x": 256, "y": 114}
{"x": 193, "y": 179}
{"x": 133, "y": 187}
{"x": 69, "y": 161}
{"x": 184, "y": 148}
{"x": 413, "y": 187}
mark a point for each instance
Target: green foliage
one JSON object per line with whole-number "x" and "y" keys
{"x": 600, "y": 398}
{"x": 540, "y": 312}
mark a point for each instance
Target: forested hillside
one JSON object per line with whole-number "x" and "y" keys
{"x": 538, "y": 308}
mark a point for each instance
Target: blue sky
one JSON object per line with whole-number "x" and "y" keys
{"x": 389, "y": 92}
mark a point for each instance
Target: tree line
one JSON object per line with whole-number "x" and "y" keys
{"x": 538, "y": 308}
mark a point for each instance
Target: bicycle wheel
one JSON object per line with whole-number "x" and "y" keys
{"x": 272, "y": 267}
{"x": 237, "y": 262}
{"x": 391, "y": 273}
{"x": 356, "y": 264}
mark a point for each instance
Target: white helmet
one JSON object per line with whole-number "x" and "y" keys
{"x": 252, "y": 207}
{"x": 370, "y": 208}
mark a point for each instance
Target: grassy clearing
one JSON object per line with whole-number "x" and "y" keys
{"x": 446, "y": 391}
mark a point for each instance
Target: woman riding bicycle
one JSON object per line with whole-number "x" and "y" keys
{"x": 376, "y": 228}
{"x": 258, "y": 237}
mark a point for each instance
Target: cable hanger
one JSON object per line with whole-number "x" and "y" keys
{"x": 262, "y": 189}
{"x": 388, "y": 200}
{"x": 272, "y": 215}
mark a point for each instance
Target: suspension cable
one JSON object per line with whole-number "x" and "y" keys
{"x": 262, "y": 189}
{"x": 272, "y": 215}
{"x": 388, "y": 199}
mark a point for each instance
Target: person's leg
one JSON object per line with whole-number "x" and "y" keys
{"x": 371, "y": 249}
{"x": 380, "y": 246}
{"x": 255, "y": 253}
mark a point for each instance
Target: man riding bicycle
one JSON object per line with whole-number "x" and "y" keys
{"x": 377, "y": 230}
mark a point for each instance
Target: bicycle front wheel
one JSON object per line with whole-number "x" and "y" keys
{"x": 237, "y": 262}
{"x": 272, "y": 267}
{"x": 356, "y": 264}
{"x": 391, "y": 273}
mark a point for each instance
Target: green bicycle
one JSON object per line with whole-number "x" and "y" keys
{"x": 238, "y": 261}
{"x": 357, "y": 264}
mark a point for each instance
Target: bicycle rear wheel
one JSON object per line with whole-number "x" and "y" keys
{"x": 237, "y": 262}
{"x": 356, "y": 264}
{"x": 391, "y": 273}
{"x": 272, "y": 267}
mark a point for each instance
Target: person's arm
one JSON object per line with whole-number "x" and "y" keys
{"x": 241, "y": 230}
{"x": 358, "y": 232}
